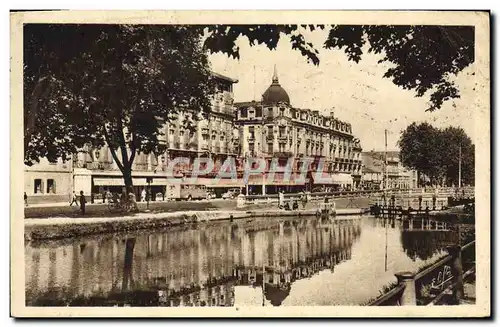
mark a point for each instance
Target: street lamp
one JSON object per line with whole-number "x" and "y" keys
{"x": 149, "y": 181}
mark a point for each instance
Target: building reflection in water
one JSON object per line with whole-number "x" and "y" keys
{"x": 422, "y": 238}
{"x": 190, "y": 267}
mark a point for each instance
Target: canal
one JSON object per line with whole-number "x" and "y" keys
{"x": 305, "y": 262}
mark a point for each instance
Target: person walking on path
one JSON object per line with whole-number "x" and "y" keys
{"x": 303, "y": 198}
{"x": 109, "y": 196}
{"x": 132, "y": 199}
{"x": 281, "y": 200}
{"x": 73, "y": 199}
{"x": 143, "y": 195}
{"x": 82, "y": 202}
{"x": 25, "y": 200}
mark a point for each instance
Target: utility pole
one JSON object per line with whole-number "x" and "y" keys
{"x": 460, "y": 166}
{"x": 262, "y": 140}
{"x": 254, "y": 83}
{"x": 385, "y": 164}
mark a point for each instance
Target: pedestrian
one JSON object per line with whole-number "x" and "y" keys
{"x": 115, "y": 198}
{"x": 143, "y": 195}
{"x": 123, "y": 196}
{"x": 303, "y": 198}
{"x": 82, "y": 202}
{"x": 74, "y": 199}
{"x": 103, "y": 196}
{"x": 295, "y": 205}
{"x": 25, "y": 199}
{"x": 281, "y": 199}
{"x": 132, "y": 199}
{"x": 109, "y": 196}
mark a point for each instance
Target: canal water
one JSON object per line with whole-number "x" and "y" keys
{"x": 305, "y": 262}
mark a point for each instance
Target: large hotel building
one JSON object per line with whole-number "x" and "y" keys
{"x": 270, "y": 128}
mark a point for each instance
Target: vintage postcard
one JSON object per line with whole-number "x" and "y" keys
{"x": 250, "y": 164}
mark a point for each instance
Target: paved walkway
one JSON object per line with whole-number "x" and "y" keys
{"x": 101, "y": 210}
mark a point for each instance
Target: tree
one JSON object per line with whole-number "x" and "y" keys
{"x": 109, "y": 84}
{"x": 423, "y": 57}
{"x": 420, "y": 150}
{"x": 435, "y": 152}
{"x": 457, "y": 145}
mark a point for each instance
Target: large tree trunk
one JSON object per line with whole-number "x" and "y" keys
{"x": 127, "y": 178}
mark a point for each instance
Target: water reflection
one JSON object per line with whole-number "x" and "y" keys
{"x": 289, "y": 262}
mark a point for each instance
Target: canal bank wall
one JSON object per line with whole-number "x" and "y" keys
{"x": 59, "y": 228}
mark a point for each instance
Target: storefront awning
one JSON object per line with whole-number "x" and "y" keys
{"x": 333, "y": 179}
{"x": 342, "y": 179}
{"x": 278, "y": 179}
{"x": 118, "y": 181}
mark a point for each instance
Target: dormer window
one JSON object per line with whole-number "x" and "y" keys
{"x": 258, "y": 112}
{"x": 243, "y": 112}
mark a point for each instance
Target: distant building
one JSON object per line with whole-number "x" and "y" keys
{"x": 398, "y": 176}
{"x": 48, "y": 182}
{"x": 270, "y": 128}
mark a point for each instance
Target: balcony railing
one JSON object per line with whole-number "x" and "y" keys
{"x": 283, "y": 154}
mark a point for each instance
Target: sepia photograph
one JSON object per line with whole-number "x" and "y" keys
{"x": 243, "y": 163}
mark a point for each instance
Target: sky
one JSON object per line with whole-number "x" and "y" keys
{"x": 356, "y": 92}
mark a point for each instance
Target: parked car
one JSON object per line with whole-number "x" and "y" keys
{"x": 231, "y": 193}
{"x": 211, "y": 194}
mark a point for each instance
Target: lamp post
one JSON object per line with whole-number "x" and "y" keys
{"x": 460, "y": 166}
{"x": 148, "y": 194}
{"x": 164, "y": 169}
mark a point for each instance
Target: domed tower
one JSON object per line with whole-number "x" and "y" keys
{"x": 275, "y": 93}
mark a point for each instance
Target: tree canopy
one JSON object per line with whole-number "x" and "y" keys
{"x": 437, "y": 152}
{"x": 423, "y": 57}
{"x": 113, "y": 84}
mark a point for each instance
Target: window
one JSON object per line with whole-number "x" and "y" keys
{"x": 213, "y": 137}
{"x": 251, "y": 113}
{"x": 269, "y": 147}
{"x": 181, "y": 133}
{"x": 282, "y": 131}
{"x": 38, "y": 187}
{"x": 171, "y": 132}
{"x": 270, "y": 111}
{"x": 243, "y": 112}
{"x": 251, "y": 131}
{"x": 51, "y": 186}
{"x": 258, "y": 112}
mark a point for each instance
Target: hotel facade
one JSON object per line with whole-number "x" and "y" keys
{"x": 270, "y": 128}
